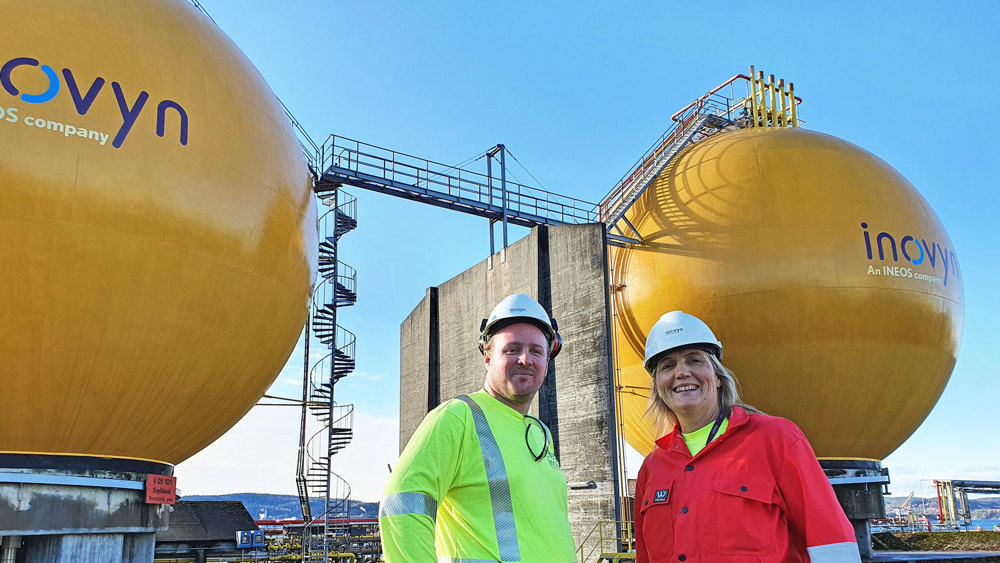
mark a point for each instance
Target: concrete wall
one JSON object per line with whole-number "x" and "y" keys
{"x": 90, "y": 548}
{"x": 565, "y": 269}
{"x": 416, "y": 347}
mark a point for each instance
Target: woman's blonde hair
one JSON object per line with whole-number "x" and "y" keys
{"x": 664, "y": 419}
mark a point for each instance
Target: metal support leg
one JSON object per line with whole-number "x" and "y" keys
{"x": 503, "y": 189}
{"x": 863, "y": 535}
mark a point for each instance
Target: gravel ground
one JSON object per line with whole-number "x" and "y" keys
{"x": 937, "y": 541}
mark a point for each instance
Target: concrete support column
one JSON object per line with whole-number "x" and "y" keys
{"x": 90, "y": 548}
{"x": 863, "y": 535}
{"x": 74, "y": 548}
{"x": 83, "y": 548}
{"x": 858, "y": 486}
{"x": 8, "y": 548}
{"x": 138, "y": 548}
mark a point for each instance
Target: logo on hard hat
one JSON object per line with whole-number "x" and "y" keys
{"x": 673, "y": 331}
{"x": 83, "y": 101}
{"x": 517, "y": 309}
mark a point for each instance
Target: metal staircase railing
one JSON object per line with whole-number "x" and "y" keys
{"x": 332, "y": 424}
{"x": 344, "y": 291}
{"x": 333, "y": 367}
{"x": 701, "y": 119}
{"x": 345, "y": 279}
{"x": 320, "y": 409}
{"x": 340, "y": 283}
{"x": 337, "y": 296}
{"x": 764, "y": 103}
{"x": 327, "y": 485}
{"x": 603, "y": 542}
{"x": 326, "y": 442}
{"x": 306, "y": 143}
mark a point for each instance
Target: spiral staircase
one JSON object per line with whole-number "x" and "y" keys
{"x": 327, "y": 427}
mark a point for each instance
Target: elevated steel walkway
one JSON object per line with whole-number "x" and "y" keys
{"x": 342, "y": 161}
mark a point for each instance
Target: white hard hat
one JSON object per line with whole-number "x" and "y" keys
{"x": 678, "y": 329}
{"x": 519, "y": 308}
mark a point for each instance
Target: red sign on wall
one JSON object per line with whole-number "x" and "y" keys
{"x": 161, "y": 489}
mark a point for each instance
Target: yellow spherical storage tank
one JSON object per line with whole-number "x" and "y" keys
{"x": 832, "y": 285}
{"x": 158, "y": 229}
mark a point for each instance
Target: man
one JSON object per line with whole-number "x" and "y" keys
{"x": 478, "y": 480}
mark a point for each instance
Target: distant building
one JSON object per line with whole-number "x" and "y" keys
{"x": 202, "y": 529}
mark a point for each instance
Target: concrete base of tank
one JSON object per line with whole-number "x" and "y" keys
{"x": 62, "y": 509}
{"x": 858, "y": 485}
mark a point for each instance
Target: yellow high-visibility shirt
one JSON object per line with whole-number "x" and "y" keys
{"x": 467, "y": 487}
{"x": 697, "y": 440}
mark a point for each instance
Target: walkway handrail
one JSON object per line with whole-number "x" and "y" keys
{"x": 735, "y": 77}
{"x": 400, "y": 168}
{"x": 624, "y": 188}
{"x": 585, "y": 555}
{"x": 712, "y": 103}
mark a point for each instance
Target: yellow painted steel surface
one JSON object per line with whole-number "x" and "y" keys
{"x": 158, "y": 230}
{"x": 773, "y": 237}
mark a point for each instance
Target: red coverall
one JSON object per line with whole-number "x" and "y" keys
{"x": 756, "y": 493}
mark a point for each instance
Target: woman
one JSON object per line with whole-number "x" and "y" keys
{"x": 727, "y": 482}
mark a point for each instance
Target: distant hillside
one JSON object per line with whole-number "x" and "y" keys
{"x": 287, "y": 506}
{"x": 978, "y": 503}
{"x": 280, "y": 507}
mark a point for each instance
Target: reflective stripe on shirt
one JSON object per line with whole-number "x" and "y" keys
{"x": 408, "y": 503}
{"x": 843, "y": 552}
{"x": 496, "y": 475}
{"x": 460, "y": 560}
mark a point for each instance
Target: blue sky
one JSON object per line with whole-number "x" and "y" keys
{"x": 577, "y": 91}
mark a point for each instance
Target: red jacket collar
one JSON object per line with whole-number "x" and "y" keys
{"x": 738, "y": 418}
